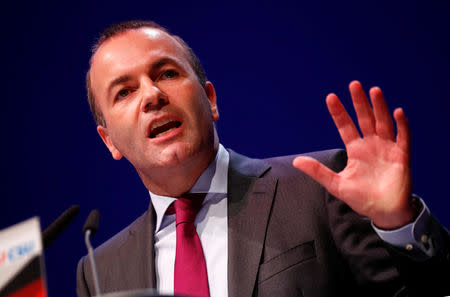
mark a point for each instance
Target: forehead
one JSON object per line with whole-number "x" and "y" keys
{"x": 133, "y": 48}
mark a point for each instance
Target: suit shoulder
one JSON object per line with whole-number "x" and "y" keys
{"x": 335, "y": 159}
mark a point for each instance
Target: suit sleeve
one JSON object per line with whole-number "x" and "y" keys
{"x": 380, "y": 269}
{"x": 429, "y": 277}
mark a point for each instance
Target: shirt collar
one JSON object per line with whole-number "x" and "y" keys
{"x": 213, "y": 180}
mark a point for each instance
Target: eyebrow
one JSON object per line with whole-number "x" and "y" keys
{"x": 163, "y": 61}
{"x": 155, "y": 65}
{"x": 120, "y": 80}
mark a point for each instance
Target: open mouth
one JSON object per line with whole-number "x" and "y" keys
{"x": 162, "y": 127}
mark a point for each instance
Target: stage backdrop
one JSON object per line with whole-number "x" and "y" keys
{"x": 272, "y": 66}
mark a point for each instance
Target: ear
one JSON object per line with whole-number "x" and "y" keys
{"x": 104, "y": 134}
{"x": 211, "y": 93}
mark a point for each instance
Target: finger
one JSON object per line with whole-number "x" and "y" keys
{"x": 364, "y": 113}
{"x": 319, "y": 172}
{"x": 403, "y": 134}
{"x": 383, "y": 120}
{"x": 341, "y": 119}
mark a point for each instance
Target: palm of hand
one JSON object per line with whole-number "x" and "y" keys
{"x": 376, "y": 180}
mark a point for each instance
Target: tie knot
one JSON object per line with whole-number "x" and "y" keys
{"x": 187, "y": 207}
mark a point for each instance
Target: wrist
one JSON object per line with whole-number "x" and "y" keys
{"x": 401, "y": 217}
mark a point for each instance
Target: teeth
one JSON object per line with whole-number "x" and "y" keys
{"x": 160, "y": 123}
{"x": 163, "y": 127}
{"x": 165, "y": 132}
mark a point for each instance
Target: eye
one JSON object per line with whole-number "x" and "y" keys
{"x": 122, "y": 94}
{"x": 169, "y": 74}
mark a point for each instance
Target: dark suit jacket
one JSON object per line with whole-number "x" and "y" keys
{"x": 287, "y": 236}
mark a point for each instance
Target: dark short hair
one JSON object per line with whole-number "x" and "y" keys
{"x": 122, "y": 27}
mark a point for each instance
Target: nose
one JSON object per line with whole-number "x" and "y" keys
{"x": 152, "y": 96}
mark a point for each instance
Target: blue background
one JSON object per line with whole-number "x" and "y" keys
{"x": 272, "y": 66}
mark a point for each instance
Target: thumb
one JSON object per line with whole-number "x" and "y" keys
{"x": 319, "y": 172}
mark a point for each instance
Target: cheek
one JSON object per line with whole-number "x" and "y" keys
{"x": 122, "y": 130}
{"x": 192, "y": 101}
{"x": 122, "y": 116}
{"x": 202, "y": 106}
{"x": 199, "y": 115}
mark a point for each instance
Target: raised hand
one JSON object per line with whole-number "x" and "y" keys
{"x": 376, "y": 181}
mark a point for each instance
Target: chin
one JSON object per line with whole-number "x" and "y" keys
{"x": 175, "y": 156}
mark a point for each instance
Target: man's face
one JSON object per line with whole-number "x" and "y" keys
{"x": 156, "y": 112}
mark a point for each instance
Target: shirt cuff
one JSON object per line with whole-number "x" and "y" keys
{"x": 416, "y": 238}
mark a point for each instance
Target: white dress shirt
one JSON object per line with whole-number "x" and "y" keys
{"x": 212, "y": 228}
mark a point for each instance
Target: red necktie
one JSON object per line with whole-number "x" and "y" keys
{"x": 191, "y": 277}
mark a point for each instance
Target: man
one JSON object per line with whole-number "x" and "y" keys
{"x": 265, "y": 227}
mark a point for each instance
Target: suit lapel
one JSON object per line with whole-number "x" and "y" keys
{"x": 138, "y": 250}
{"x": 151, "y": 248}
{"x": 250, "y": 197}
